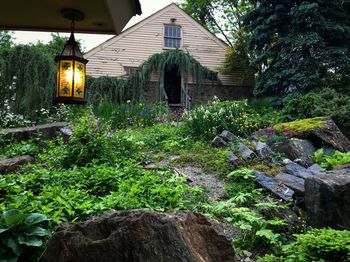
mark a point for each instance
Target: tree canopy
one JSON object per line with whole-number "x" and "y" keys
{"x": 299, "y": 45}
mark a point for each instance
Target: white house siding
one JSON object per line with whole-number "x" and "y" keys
{"x": 136, "y": 44}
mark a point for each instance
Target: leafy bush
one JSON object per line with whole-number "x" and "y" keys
{"x": 91, "y": 142}
{"x": 332, "y": 159}
{"x": 316, "y": 245}
{"x": 132, "y": 114}
{"x": 88, "y": 143}
{"x": 326, "y": 102}
{"x": 21, "y": 234}
{"x": 209, "y": 119}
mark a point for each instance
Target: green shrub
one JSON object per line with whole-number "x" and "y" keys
{"x": 91, "y": 143}
{"x": 320, "y": 245}
{"x": 332, "y": 159}
{"x": 316, "y": 245}
{"x": 21, "y": 235}
{"x": 209, "y": 119}
{"x": 132, "y": 114}
{"x": 326, "y": 102}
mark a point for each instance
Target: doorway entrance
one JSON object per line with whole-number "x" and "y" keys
{"x": 172, "y": 84}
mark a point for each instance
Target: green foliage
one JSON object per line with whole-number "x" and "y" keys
{"x": 210, "y": 119}
{"x": 77, "y": 194}
{"x": 132, "y": 114}
{"x": 27, "y": 80}
{"x": 316, "y": 245}
{"x": 9, "y": 148}
{"x": 326, "y": 102}
{"x": 106, "y": 89}
{"x": 21, "y": 234}
{"x": 299, "y": 45}
{"x": 221, "y": 17}
{"x": 255, "y": 229}
{"x": 91, "y": 143}
{"x": 6, "y": 40}
{"x": 331, "y": 160}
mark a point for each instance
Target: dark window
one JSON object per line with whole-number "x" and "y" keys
{"x": 172, "y": 36}
{"x": 129, "y": 70}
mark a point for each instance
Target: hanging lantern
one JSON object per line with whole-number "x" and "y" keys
{"x": 71, "y": 73}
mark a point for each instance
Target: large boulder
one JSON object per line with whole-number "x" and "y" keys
{"x": 139, "y": 236}
{"x": 327, "y": 199}
{"x": 296, "y": 149}
{"x": 9, "y": 165}
{"x": 46, "y": 131}
{"x": 320, "y": 130}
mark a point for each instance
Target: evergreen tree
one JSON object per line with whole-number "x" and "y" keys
{"x": 299, "y": 45}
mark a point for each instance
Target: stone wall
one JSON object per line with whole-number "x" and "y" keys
{"x": 203, "y": 93}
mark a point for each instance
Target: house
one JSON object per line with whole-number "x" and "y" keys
{"x": 170, "y": 28}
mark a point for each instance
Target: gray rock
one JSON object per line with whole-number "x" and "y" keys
{"x": 327, "y": 199}
{"x": 47, "y": 131}
{"x": 297, "y": 170}
{"x": 316, "y": 169}
{"x": 296, "y": 149}
{"x": 227, "y": 136}
{"x": 66, "y": 133}
{"x": 273, "y": 186}
{"x": 293, "y": 182}
{"x": 331, "y": 135}
{"x": 9, "y": 165}
{"x": 302, "y": 162}
{"x": 232, "y": 158}
{"x": 219, "y": 142}
{"x": 245, "y": 152}
{"x": 263, "y": 150}
{"x": 139, "y": 236}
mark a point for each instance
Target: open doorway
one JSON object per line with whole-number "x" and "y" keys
{"x": 172, "y": 84}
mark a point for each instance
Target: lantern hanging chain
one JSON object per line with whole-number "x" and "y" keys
{"x": 72, "y": 26}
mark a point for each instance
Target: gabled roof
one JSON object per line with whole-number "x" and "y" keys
{"x": 150, "y": 18}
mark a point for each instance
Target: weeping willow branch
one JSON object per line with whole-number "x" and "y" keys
{"x": 160, "y": 63}
{"x": 27, "y": 79}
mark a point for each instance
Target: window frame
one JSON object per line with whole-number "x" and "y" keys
{"x": 180, "y": 38}
{"x": 128, "y": 70}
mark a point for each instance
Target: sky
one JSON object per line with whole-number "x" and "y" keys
{"x": 90, "y": 41}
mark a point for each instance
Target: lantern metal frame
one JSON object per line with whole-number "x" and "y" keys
{"x": 71, "y": 53}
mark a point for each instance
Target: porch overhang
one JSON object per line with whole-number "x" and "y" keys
{"x": 101, "y": 16}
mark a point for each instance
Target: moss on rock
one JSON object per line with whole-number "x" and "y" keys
{"x": 301, "y": 126}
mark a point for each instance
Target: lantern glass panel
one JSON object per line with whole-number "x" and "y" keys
{"x": 65, "y": 78}
{"x": 79, "y": 79}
